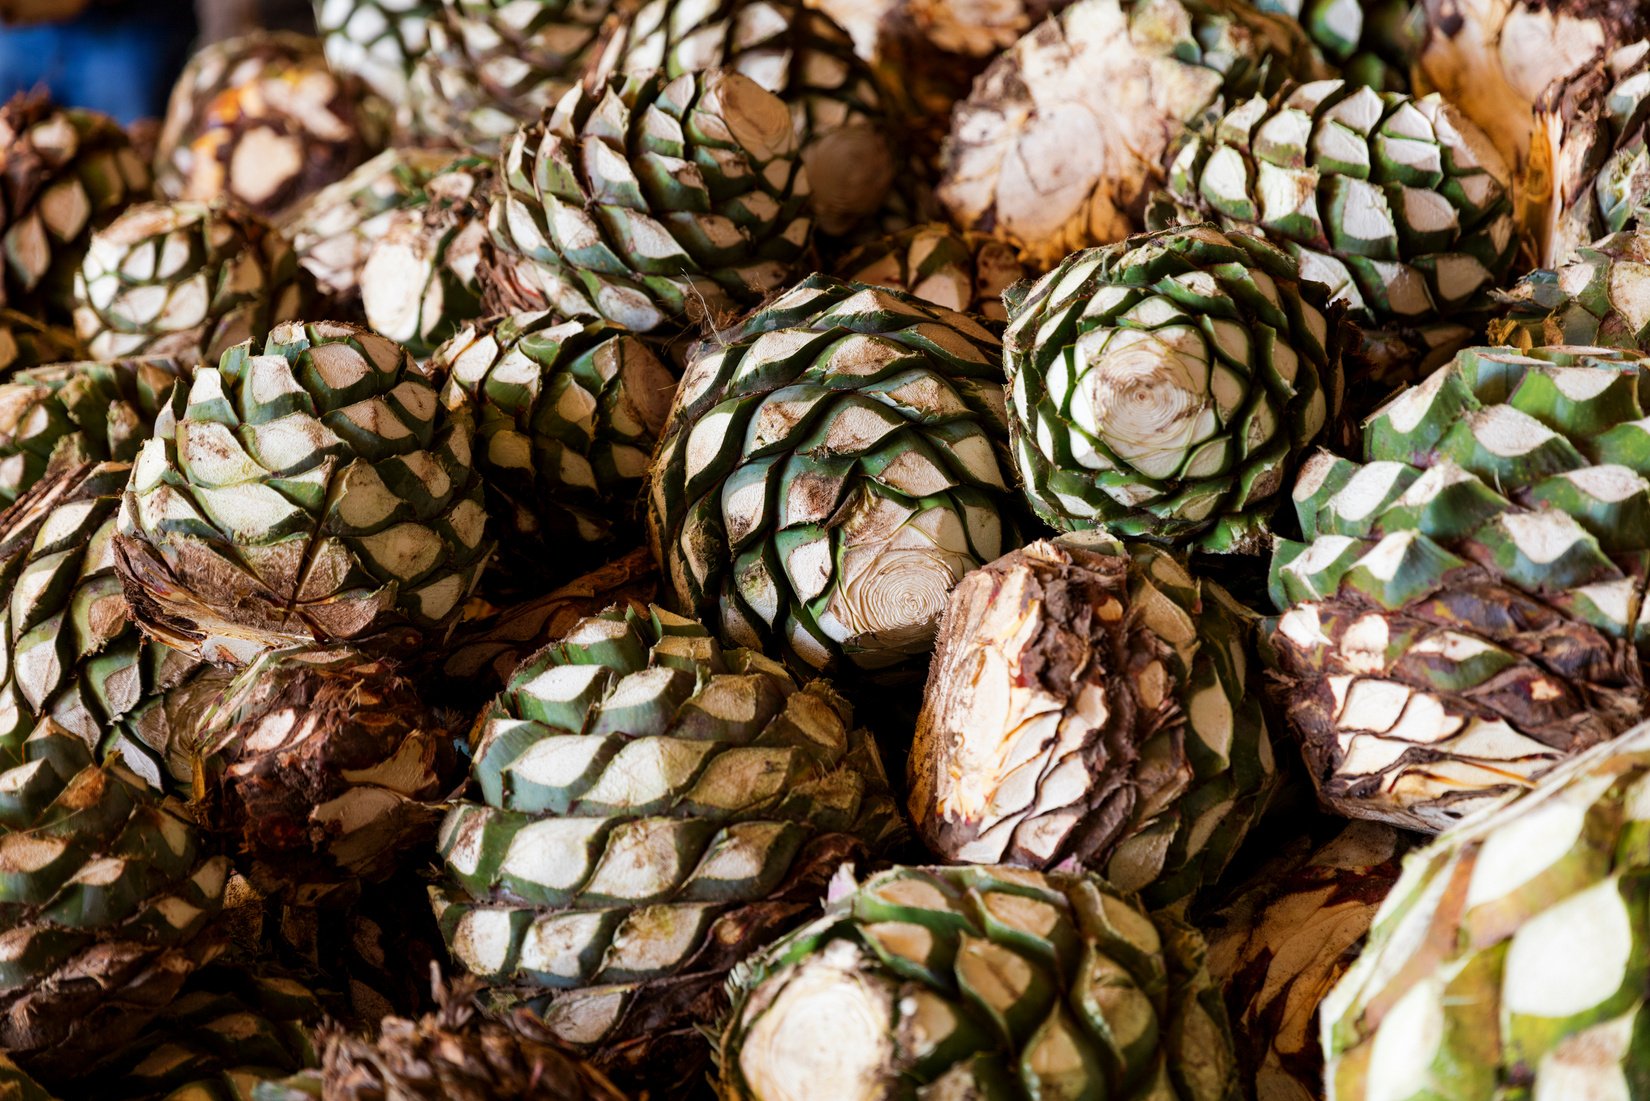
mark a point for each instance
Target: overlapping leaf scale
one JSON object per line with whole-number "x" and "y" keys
{"x": 567, "y": 416}
{"x": 1468, "y": 609}
{"x": 1093, "y": 705}
{"x": 108, "y": 409}
{"x": 186, "y": 281}
{"x": 832, "y": 467}
{"x": 651, "y": 807}
{"x": 316, "y": 491}
{"x": 1164, "y": 387}
{"x": 69, "y": 651}
{"x": 1510, "y": 950}
{"x": 107, "y": 905}
{"x": 1399, "y": 204}
{"x": 651, "y": 202}
{"x": 981, "y": 981}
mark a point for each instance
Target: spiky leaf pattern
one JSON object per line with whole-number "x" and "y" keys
{"x": 652, "y": 807}
{"x": 1166, "y": 386}
{"x": 1093, "y": 705}
{"x": 833, "y": 466}
{"x": 186, "y": 281}
{"x": 317, "y": 491}
{"x": 107, "y": 904}
{"x": 652, "y": 203}
{"x": 1601, "y": 298}
{"x": 494, "y": 65}
{"x": 801, "y": 55}
{"x": 1400, "y": 205}
{"x": 378, "y": 41}
{"x": 979, "y": 982}
{"x": 72, "y": 653}
{"x": 1468, "y": 607}
{"x": 484, "y": 652}
{"x": 227, "y": 1030}
{"x": 453, "y": 1054}
{"x": 422, "y": 277}
{"x": 103, "y": 410}
{"x": 334, "y": 229}
{"x": 1371, "y": 42}
{"x": 567, "y": 415}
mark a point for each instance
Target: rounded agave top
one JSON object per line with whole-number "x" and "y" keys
{"x": 568, "y": 413}
{"x": 108, "y": 408}
{"x": 261, "y": 119}
{"x": 1165, "y": 387}
{"x": 833, "y": 466}
{"x": 322, "y": 765}
{"x": 72, "y": 652}
{"x": 492, "y": 65}
{"x": 1065, "y": 134}
{"x": 316, "y": 491}
{"x": 652, "y": 807}
{"x": 798, "y": 53}
{"x": 653, "y": 203}
{"x": 334, "y": 229}
{"x": 377, "y": 40}
{"x": 188, "y": 280}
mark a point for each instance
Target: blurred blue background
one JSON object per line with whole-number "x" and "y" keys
{"x": 120, "y": 59}
{"x": 121, "y": 56}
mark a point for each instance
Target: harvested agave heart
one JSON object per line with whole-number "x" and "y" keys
{"x": 322, "y": 765}
{"x": 377, "y": 540}
{"x": 1013, "y": 983}
{"x": 1509, "y": 949}
{"x": 68, "y": 172}
{"x": 651, "y": 807}
{"x": 833, "y": 466}
{"x": 1068, "y": 131}
{"x": 109, "y": 903}
{"x": 262, "y": 121}
{"x": 1466, "y": 608}
{"x": 1167, "y": 387}
{"x": 1092, "y": 704}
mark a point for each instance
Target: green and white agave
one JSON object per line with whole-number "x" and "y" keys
{"x": 1509, "y": 958}
{"x": 1466, "y": 609}
{"x": 833, "y": 466}
{"x": 311, "y": 489}
{"x": 1167, "y": 386}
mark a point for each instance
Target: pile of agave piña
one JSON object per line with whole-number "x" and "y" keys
{"x": 830, "y": 550}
